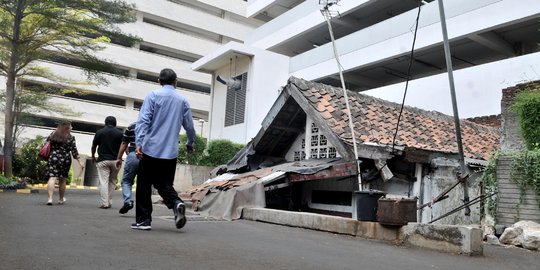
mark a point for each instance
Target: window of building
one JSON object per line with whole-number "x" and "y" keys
{"x": 194, "y": 87}
{"x": 137, "y": 105}
{"x": 185, "y": 29}
{"x": 236, "y": 102}
{"x": 169, "y": 53}
{"x": 180, "y": 84}
{"x": 52, "y": 123}
{"x": 199, "y": 6}
{"x": 147, "y": 77}
{"x": 57, "y": 58}
{"x": 75, "y": 94}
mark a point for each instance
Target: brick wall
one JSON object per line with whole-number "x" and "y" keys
{"x": 490, "y": 120}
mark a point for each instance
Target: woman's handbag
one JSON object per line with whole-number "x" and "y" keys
{"x": 45, "y": 151}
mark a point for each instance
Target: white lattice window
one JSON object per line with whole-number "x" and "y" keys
{"x": 297, "y": 151}
{"x": 319, "y": 147}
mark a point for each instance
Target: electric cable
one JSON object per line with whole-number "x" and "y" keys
{"x": 409, "y": 68}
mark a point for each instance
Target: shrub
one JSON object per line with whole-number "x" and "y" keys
{"x": 195, "y": 158}
{"x": 527, "y": 106}
{"x": 220, "y": 152}
{"x": 12, "y": 183}
{"x": 27, "y": 163}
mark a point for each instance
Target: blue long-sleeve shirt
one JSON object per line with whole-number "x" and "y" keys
{"x": 163, "y": 113}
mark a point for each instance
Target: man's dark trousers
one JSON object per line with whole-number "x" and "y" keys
{"x": 160, "y": 173}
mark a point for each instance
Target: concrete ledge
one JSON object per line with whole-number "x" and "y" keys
{"x": 302, "y": 220}
{"x": 445, "y": 238}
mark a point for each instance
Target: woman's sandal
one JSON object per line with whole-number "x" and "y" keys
{"x": 62, "y": 201}
{"x": 49, "y": 202}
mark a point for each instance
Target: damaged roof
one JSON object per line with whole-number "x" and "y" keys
{"x": 375, "y": 122}
{"x": 420, "y": 131}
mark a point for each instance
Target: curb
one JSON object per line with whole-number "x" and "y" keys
{"x": 22, "y": 191}
{"x": 43, "y": 186}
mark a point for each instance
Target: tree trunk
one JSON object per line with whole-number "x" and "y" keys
{"x": 8, "y": 135}
{"x": 10, "y": 90}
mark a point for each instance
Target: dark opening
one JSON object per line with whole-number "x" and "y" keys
{"x": 331, "y": 197}
{"x": 194, "y": 87}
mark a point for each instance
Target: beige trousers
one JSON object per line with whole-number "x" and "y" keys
{"x": 107, "y": 173}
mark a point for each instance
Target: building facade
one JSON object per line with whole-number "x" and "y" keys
{"x": 494, "y": 44}
{"x": 174, "y": 34}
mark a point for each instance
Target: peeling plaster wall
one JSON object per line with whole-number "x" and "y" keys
{"x": 443, "y": 174}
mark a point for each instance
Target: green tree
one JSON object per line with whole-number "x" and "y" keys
{"x": 32, "y": 30}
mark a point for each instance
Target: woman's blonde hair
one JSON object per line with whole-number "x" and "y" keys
{"x": 61, "y": 134}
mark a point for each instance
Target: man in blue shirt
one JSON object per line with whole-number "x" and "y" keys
{"x": 163, "y": 113}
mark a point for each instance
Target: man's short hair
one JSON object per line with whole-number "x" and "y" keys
{"x": 167, "y": 76}
{"x": 110, "y": 121}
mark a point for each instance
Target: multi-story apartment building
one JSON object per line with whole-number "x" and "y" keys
{"x": 174, "y": 34}
{"x": 494, "y": 44}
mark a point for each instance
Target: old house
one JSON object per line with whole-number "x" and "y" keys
{"x": 305, "y": 148}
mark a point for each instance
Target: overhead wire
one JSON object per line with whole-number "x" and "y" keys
{"x": 409, "y": 69}
{"x": 327, "y": 14}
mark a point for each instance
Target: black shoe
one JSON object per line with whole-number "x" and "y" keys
{"x": 145, "y": 225}
{"x": 126, "y": 208}
{"x": 179, "y": 210}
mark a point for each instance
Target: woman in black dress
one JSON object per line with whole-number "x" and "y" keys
{"x": 62, "y": 148}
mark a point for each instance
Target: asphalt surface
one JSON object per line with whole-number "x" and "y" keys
{"x": 78, "y": 235}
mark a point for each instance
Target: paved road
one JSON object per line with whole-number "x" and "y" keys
{"x": 78, "y": 235}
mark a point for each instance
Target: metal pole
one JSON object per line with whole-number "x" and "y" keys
{"x": 448, "y": 57}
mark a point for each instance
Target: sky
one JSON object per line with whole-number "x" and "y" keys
{"x": 478, "y": 89}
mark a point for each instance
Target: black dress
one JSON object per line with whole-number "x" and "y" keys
{"x": 60, "y": 159}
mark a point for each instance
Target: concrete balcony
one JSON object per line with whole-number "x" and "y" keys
{"x": 91, "y": 112}
{"x": 170, "y": 38}
{"x": 128, "y": 88}
{"x": 132, "y": 58}
{"x": 300, "y": 19}
{"x": 184, "y": 15}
